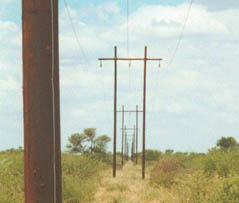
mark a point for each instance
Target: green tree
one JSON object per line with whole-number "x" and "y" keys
{"x": 169, "y": 151}
{"x": 90, "y": 134}
{"x": 226, "y": 143}
{"x": 100, "y": 144}
{"x": 151, "y": 155}
{"x": 76, "y": 143}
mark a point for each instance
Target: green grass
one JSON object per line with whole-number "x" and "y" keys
{"x": 11, "y": 177}
{"x": 81, "y": 175}
{"x": 199, "y": 178}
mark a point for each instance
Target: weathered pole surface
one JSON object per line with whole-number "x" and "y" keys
{"x": 42, "y": 151}
{"x": 137, "y": 126}
{"x": 115, "y": 111}
{"x": 122, "y": 145}
{"x": 144, "y": 110}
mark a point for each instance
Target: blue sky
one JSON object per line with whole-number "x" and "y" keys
{"x": 191, "y": 103}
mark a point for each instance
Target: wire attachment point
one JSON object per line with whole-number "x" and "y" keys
{"x": 129, "y": 63}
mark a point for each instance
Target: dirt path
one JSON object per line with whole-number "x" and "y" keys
{"x": 128, "y": 187}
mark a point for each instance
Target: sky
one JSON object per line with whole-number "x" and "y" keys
{"x": 191, "y": 102}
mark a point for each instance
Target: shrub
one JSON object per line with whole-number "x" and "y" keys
{"x": 230, "y": 191}
{"x": 221, "y": 163}
{"x": 197, "y": 188}
{"x": 11, "y": 176}
{"x": 152, "y": 155}
{"x": 164, "y": 173}
{"x": 80, "y": 177}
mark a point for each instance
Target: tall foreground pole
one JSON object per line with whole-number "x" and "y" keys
{"x": 115, "y": 110}
{"x": 122, "y": 144}
{"x": 42, "y": 152}
{"x": 144, "y": 110}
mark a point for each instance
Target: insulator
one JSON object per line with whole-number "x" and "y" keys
{"x": 129, "y": 63}
{"x": 159, "y": 64}
{"x": 101, "y": 64}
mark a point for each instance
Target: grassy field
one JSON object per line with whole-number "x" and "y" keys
{"x": 81, "y": 175}
{"x": 198, "y": 178}
{"x": 170, "y": 178}
{"x": 175, "y": 178}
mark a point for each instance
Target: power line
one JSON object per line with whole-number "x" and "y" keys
{"x": 181, "y": 34}
{"x": 128, "y": 48}
{"x": 128, "y": 28}
{"x": 75, "y": 33}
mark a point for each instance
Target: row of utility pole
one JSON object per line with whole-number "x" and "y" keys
{"x": 42, "y": 148}
{"x": 124, "y": 130}
{"x": 145, "y": 59}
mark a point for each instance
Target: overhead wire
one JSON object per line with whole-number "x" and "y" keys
{"x": 53, "y": 97}
{"x": 75, "y": 33}
{"x": 181, "y": 34}
{"x": 128, "y": 28}
{"x": 83, "y": 54}
{"x": 156, "y": 83}
{"x": 128, "y": 43}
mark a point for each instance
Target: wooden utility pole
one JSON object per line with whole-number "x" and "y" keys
{"x": 115, "y": 113}
{"x": 145, "y": 59}
{"x": 122, "y": 145}
{"x": 137, "y": 126}
{"x": 126, "y": 147}
{"x": 136, "y": 129}
{"x": 42, "y": 149}
{"x": 144, "y": 110}
{"x": 134, "y": 145}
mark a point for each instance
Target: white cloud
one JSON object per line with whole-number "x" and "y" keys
{"x": 167, "y": 21}
{"x": 202, "y": 80}
{"x": 9, "y": 84}
{"x": 216, "y": 5}
{"x": 8, "y": 1}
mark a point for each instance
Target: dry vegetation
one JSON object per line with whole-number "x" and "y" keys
{"x": 128, "y": 187}
{"x": 170, "y": 178}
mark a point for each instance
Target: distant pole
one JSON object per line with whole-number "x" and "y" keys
{"x": 115, "y": 110}
{"x": 42, "y": 148}
{"x": 144, "y": 110}
{"x": 132, "y": 149}
{"x": 134, "y": 145}
{"x": 137, "y": 126}
{"x": 122, "y": 145}
{"x": 127, "y": 150}
{"x": 125, "y": 142}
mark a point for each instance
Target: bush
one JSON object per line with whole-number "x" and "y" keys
{"x": 152, "y": 155}
{"x": 165, "y": 172}
{"x": 197, "y": 188}
{"x": 11, "y": 176}
{"x": 221, "y": 163}
{"x": 230, "y": 191}
{"x": 80, "y": 177}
